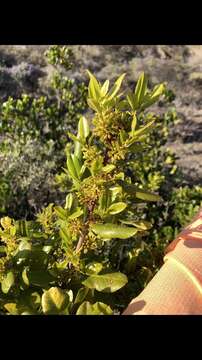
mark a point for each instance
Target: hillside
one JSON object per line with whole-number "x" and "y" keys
{"x": 24, "y": 68}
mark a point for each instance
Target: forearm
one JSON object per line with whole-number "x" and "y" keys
{"x": 177, "y": 287}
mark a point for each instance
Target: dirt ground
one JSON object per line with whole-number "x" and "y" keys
{"x": 25, "y": 68}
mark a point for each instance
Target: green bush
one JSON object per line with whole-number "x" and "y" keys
{"x": 33, "y": 132}
{"x": 68, "y": 260}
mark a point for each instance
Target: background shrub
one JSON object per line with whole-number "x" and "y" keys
{"x": 33, "y": 130}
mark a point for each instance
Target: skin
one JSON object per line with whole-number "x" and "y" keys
{"x": 177, "y": 288}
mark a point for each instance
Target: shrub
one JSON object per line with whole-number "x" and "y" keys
{"x": 67, "y": 260}
{"x": 33, "y": 132}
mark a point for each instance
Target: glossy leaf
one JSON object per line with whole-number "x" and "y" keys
{"x": 61, "y": 213}
{"x": 105, "y": 88}
{"x": 35, "y": 258}
{"x": 75, "y": 138}
{"x": 130, "y": 99}
{"x": 98, "y": 308}
{"x": 93, "y": 87}
{"x": 69, "y": 201}
{"x": 83, "y": 128}
{"x": 35, "y": 300}
{"x": 93, "y": 268}
{"x": 54, "y": 301}
{"x": 71, "y": 167}
{"x": 7, "y": 282}
{"x": 110, "y": 231}
{"x": 107, "y": 283}
{"x": 108, "y": 168}
{"x": 64, "y": 234}
{"x": 39, "y": 278}
{"x": 140, "y": 90}
{"x": 147, "y": 196}
{"x": 154, "y": 95}
{"x": 77, "y": 149}
{"x": 123, "y": 136}
{"x": 141, "y": 224}
{"x": 12, "y": 308}
{"x": 116, "y": 87}
{"x": 83, "y": 291}
{"x": 77, "y": 165}
{"x": 94, "y": 104}
{"x": 6, "y": 222}
{"x": 25, "y": 277}
{"x": 76, "y": 214}
{"x": 24, "y": 245}
{"x": 133, "y": 124}
{"x": 115, "y": 190}
{"x": 116, "y": 208}
{"x": 140, "y": 132}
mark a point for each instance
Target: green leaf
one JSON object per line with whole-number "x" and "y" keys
{"x": 77, "y": 165}
{"x": 77, "y": 149}
{"x": 35, "y": 299}
{"x": 65, "y": 235}
{"x": 71, "y": 167}
{"x": 116, "y": 208}
{"x": 12, "y": 308}
{"x": 116, "y": 87}
{"x": 140, "y": 90}
{"x": 35, "y": 258}
{"x": 71, "y": 295}
{"x": 40, "y": 278}
{"x": 62, "y": 265}
{"x": 98, "y": 308}
{"x": 7, "y": 282}
{"x": 47, "y": 248}
{"x": 6, "y": 222}
{"x": 144, "y": 129}
{"x": 134, "y": 124}
{"x": 69, "y": 201}
{"x": 24, "y": 277}
{"x": 122, "y": 105}
{"x": 105, "y": 88}
{"x": 115, "y": 190}
{"x": 76, "y": 214}
{"x": 103, "y": 201}
{"x": 61, "y": 213}
{"x": 158, "y": 91}
{"x": 75, "y": 138}
{"x": 147, "y": 196}
{"x": 123, "y": 136}
{"x": 108, "y": 168}
{"x": 131, "y": 100}
{"x": 83, "y": 128}
{"x": 142, "y": 224}
{"x": 94, "y": 90}
{"x": 24, "y": 245}
{"x": 96, "y": 166}
{"x": 107, "y": 283}
{"x": 153, "y": 97}
{"x": 110, "y": 231}
{"x": 94, "y": 105}
{"x": 54, "y": 301}
{"x": 83, "y": 291}
{"x": 93, "y": 268}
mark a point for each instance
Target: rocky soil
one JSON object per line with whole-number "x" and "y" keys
{"x": 24, "y": 68}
